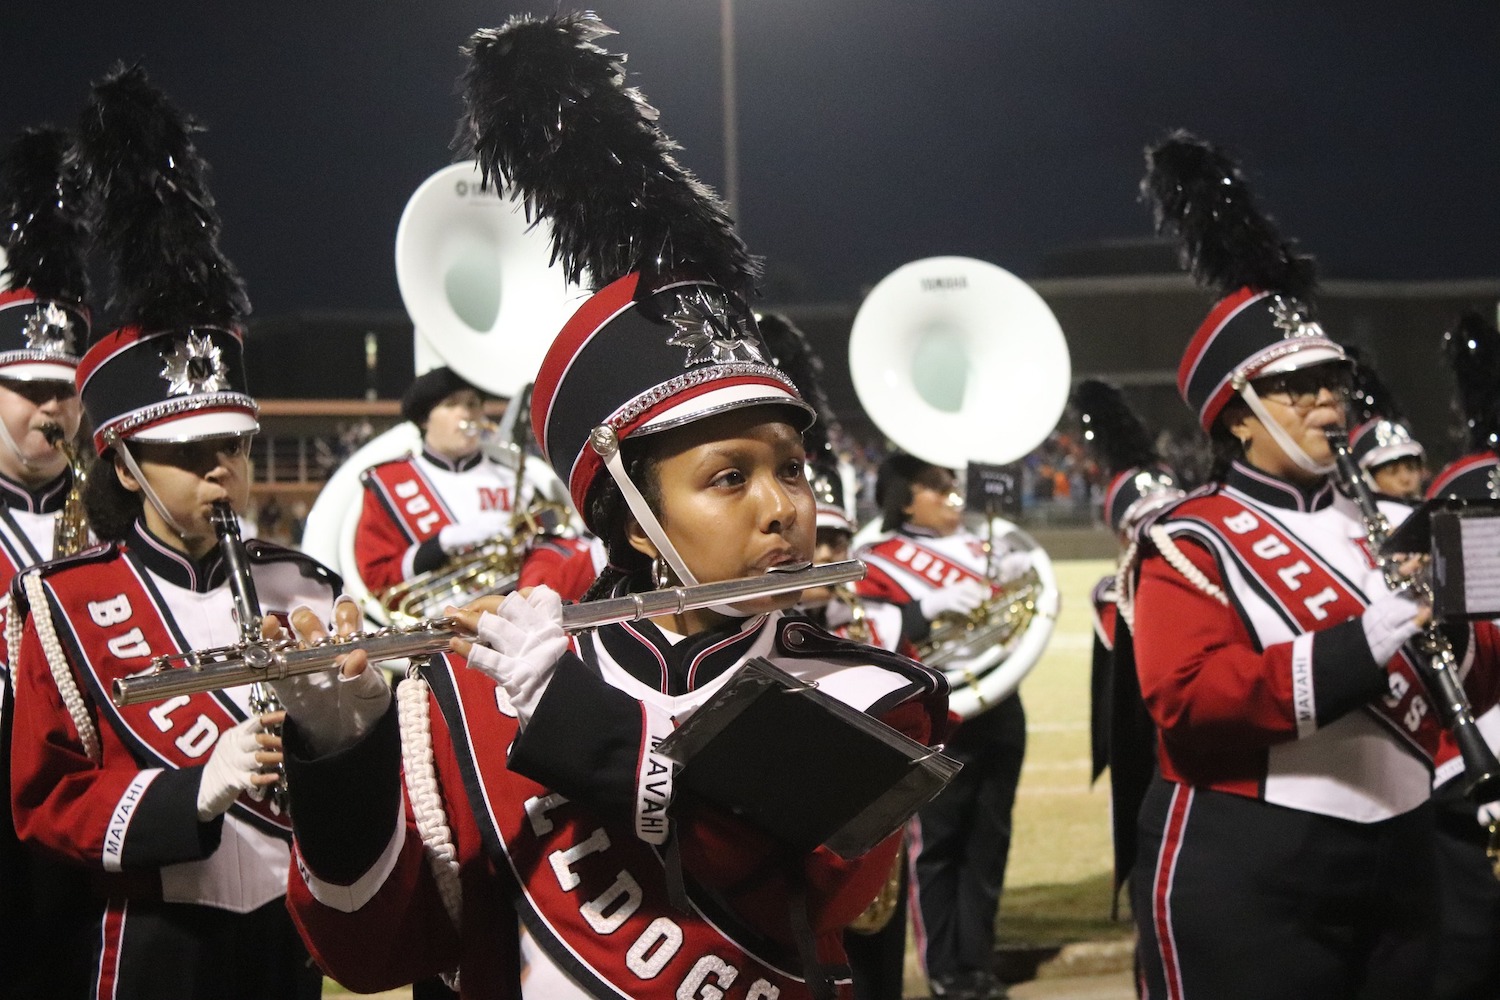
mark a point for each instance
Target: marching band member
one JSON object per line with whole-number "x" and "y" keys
{"x": 559, "y": 863}
{"x": 423, "y": 511}
{"x": 1121, "y": 735}
{"x": 1286, "y": 848}
{"x": 161, "y": 804}
{"x": 1393, "y": 462}
{"x": 928, "y": 564}
{"x": 1469, "y": 950}
{"x": 43, "y": 317}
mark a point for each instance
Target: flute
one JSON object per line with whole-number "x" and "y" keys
{"x": 262, "y": 661}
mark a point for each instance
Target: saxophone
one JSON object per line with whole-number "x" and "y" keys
{"x": 247, "y": 610}
{"x": 70, "y": 535}
{"x": 1436, "y": 663}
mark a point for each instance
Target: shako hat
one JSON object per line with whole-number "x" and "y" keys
{"x": 1381, "y": 433}
{"x": 1263, "y": 322}
{"x": 44, "y": 319}
{"x": 669, "y": 337}
{"x": 174, "y": 368}
{"x": 1472, "y": 349}
{"x": 1140, "y": 482}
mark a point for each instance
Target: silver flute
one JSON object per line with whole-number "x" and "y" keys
{"x": 265, "y": 660}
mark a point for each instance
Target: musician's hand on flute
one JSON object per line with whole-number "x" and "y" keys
{"x": 517, "y": 643}
{"x": 237, "y": 764}
{"x": 334, "y": 708}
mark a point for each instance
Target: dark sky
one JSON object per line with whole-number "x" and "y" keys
{"x": 872, "y": 132}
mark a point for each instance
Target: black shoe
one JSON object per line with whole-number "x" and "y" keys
{"x": 987, "y": 986}
{"x": 955, "y": 987}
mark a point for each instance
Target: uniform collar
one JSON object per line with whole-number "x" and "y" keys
{"x": 198, "y": 575}
{"x": 678, "y": 668}
{"x": 47, "y": 498}
{"x": 916, "y": 531}
{"x": 1273, "y": 491}
{"x": 453, "y": 465}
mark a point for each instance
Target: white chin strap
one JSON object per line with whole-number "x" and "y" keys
{"x": 607, "y": 445}
{"x": 147, "y": 491}
{"x": 1292, "y": 449}
{"x": 28, "y": 464}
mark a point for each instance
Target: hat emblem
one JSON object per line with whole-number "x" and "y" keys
{"x": 1292, "y": 318}
{"x": 194, "y": 365}
{"x": 1388, "y": 434}
{"x": 710, "y": 330}
{"x": 49, "y": 330}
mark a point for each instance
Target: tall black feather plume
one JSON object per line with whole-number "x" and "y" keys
{"x": 1199, "y": 195}
{"x": 1472, "y": 349}
{"x": 43, "y": 216}
{"x": 1111, "y": 427}
{"x": 547, "y": 112}
{"x": 1370, "y": 398}
{"x": 791, "y": 352}
{"x": 156, "y": 219}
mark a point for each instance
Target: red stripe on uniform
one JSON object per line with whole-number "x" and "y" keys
{"x": 1161, "y": 892}
{"x": 111, "y": 945}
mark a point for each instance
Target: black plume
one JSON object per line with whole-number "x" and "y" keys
{"x": 791, "y": 353}
{"x": 547, "y": 111}
{"x": 1111, "y": 428}
{"x": 1371, "y": 398}
{"x": 1199, "y": 195}
{"x": 1472, "y": 349}
{"x": 43, "y": 216}
{"x": 156, "y": 219}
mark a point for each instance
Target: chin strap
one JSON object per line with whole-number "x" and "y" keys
{"x": 147, "y": 491}
{"x": 606, "y": 444}
{"x": 10, "y": 443}
{"x": 1292, "y": 449}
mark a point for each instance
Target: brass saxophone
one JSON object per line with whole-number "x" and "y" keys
{"x": 1436, "y": 663}
{"x": 247, "y": 610}
{"x": 70, "y": 535}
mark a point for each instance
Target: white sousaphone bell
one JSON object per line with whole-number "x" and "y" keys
{"x": 476, "y": 279}
{"x": 956, "y": 361}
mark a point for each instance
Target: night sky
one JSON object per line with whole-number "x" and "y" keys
{"x": 872, "y": 132}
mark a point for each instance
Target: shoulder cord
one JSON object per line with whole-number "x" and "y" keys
{"x": 426, "y": 798}
{"x": 62, "y": 673}
{"x": 1175, "y": 557}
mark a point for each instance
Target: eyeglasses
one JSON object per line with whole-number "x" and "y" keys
{"x": 1301, "y": 388}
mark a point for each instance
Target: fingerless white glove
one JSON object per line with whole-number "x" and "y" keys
{"x": 334, "y": 711}
{"x": 229, "y": 769}
{"x": 519, "y": 646}
{"x": 472, "y": 531}
{"x": 1388, "y": 622}
{"x": 959, "y": 598}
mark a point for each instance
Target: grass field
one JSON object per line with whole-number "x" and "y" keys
{"x": 1058, "y": 882}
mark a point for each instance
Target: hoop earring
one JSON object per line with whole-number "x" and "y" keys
{"x": 661, "y": 574}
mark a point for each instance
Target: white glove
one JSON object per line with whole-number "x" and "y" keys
{"x": 333, "y": 710}
{"x": 1489, "y": 814}
{"x": 1013, "y": 566}
{"x": 1388, "y": 622}
{"x": 473, "y": 531}
{"x": 519, "y": 646}
{"x": 229, "y": 769}
{"x": 959, "y": 598}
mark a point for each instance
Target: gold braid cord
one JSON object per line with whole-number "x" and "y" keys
{"x": 62, "y": 673}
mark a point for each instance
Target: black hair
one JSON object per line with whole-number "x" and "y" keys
{"x": 1224, "y": 445}
{"x": 610, "y": 517}
{"x": 111, "y": 508}
{"x": 893, "y": 486}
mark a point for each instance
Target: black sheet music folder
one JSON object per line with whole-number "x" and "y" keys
{"x": 801, "y": 765}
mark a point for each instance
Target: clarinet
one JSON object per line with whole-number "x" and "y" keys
{"x": 247, "y": 610}
{"x": 1436, "y": 662}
